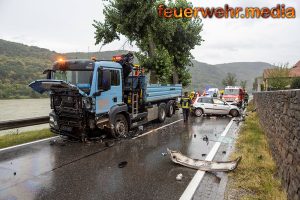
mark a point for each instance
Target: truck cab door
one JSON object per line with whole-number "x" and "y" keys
{"x": 109, "y": 89}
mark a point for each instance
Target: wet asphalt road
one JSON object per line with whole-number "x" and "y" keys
{"x": 68, "y": 170}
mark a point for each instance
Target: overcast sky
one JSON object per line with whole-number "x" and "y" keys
{"x": 66, "y": 26}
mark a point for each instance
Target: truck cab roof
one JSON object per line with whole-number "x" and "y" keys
{"x": 83, "y": 64}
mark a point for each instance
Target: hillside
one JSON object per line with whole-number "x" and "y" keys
{"x": 20, "y": 64}
{"x": 204, "y": 74}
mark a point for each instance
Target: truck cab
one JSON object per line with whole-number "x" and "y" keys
{"x": 88, "y": 97}
{"x": 234, "y": 95}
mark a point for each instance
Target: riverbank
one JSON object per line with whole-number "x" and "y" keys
{"x": 24, "y": 108}
{"x": 15, "y": 109}
{"x": 255, "y": 177}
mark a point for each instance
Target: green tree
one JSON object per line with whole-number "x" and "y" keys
{"x": 164, "y": 44}
{"x": 229, "y": 80}
{"x": 243, "y": 84}
{"x": 278, "y": 77}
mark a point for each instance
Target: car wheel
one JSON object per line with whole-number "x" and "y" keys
{"x": 120, "y": 127}
{"x": 162, "y": 112}
{"x": 234, "y": 113}
{"x": 198, "y": 112}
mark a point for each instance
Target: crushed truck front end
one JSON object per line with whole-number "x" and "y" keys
{"x": 72, "y": 85}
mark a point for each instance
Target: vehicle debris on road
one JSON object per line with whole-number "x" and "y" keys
{"x": 203, "y": 165}
{"x": 205, "y": 138}
{"x": 122, "y": 164}
{"x": 52, "y": 142}
{"x": 179, "y": 177}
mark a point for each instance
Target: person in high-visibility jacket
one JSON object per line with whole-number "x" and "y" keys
{"x": 185, "y": 103}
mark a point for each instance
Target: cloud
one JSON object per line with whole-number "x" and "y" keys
{"x": 66, "y": 26}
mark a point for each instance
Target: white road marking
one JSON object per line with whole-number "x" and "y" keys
{"x": 157, "y": 129}
{"x": 25, "y": 144}
{"x": 193, "y": 185}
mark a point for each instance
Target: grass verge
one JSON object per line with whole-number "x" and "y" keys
{"x": 255, "y": 176}
{"x": 29, "y": 136}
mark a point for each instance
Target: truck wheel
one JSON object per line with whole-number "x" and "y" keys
{"x": 234, "y": 113}
{"x": 120, "y": 127}
{"x": 170, "y": 108}
{"x": 162, "y": 112}
{"x": 198, "y": 112}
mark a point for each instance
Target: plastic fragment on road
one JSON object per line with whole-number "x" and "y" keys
{"x": 141, "y": 128}
{"x": 179, "y": 177}
{"x": 122, "y": 164}
{"x": 52, "y": 142}
{"x": 203, "y": 165}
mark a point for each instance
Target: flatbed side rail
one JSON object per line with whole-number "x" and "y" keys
{"x": 10, "y": 124}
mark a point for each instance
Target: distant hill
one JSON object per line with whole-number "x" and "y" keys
{"x": 13, "y": 49}
{"x": 204, "y": 74}
{"x": 106, "y": 55}
{"x": 20, "y": 64}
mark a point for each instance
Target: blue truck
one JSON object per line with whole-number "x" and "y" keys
{"x": 90, "y": 97}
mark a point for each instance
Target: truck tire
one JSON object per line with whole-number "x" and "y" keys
{"x": 120, "y": 129}
{"x": 162, "y": 112}
{"x": 170, "y": 108}
{"x": 234, "y": 113}
{"x": 198, "y": 112}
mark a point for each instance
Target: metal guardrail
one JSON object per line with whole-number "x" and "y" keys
{"x": 10, "y": 124}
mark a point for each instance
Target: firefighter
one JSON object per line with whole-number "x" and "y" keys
{"x": 192, "y": 95}
{"x": 185, "y": 103}
{"x": 246, "y": 98}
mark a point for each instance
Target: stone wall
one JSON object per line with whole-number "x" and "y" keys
{"x": 279, "y": 114}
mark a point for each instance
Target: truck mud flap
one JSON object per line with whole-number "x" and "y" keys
{"x": 203, "y": 165}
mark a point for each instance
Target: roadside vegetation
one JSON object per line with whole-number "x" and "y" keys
{"x": 255, "y": 176}
{"x": 29, "y": 136}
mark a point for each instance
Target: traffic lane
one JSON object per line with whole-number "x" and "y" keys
{"x": 33, "y": 160}
{"x": 148, "y": 174}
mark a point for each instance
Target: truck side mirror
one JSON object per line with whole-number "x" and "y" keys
{"x": 104, "y": 79}
{"x": 48, "y": 73}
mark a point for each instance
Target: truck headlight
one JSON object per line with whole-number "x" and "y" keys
{"x": 52, "y": 119}
{"x": 87, "y": 103}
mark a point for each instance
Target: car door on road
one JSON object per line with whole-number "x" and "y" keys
{"x": 220, "y": 107}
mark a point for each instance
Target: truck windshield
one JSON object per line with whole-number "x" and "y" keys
{"x": 231, "y": 91}
{"x": 74, "y": 77}
{"x": 211, "y": 92}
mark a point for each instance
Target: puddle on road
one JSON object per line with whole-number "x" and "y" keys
{"x": 201, "y": 135}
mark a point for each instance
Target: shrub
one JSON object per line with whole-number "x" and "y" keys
{"x": 296, "y": 83}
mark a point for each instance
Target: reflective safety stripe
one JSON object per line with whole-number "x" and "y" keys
{"x": 185, "y": 103}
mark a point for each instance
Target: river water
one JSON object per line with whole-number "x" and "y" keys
{"x": 23, "y": 108}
